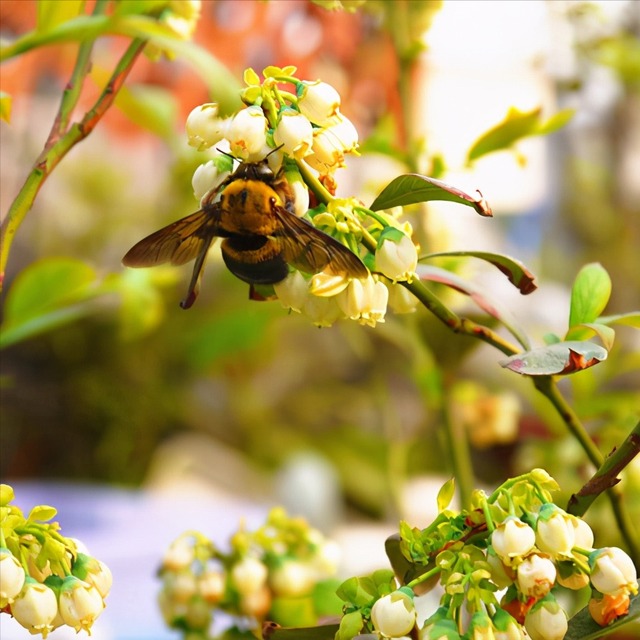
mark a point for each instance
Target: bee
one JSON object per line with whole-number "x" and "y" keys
{"x": 253, "y": 212}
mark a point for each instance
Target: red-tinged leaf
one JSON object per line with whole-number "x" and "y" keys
{"x": 495, "y": 309}
{"x": 412, "y": 188}
{"x": 582, "y": 332}
{"x": 631, "y": 319}
{"x": 273, "y": 631}
{"x": 517, "y": 273}
{"x": 556, "y": 359}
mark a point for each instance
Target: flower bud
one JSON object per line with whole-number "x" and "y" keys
{"x": 181, "y": 585}
{"x": 506, "y": 627}
{"x": 546, "y": 620}
{"x": 293, "y": 291}
{"x": 80, "y": 603}
{"x": 35, "y": 607}
{"x": 204, "y": 127}
{"x": 95, "y": 572}
{"x": 256, "y": 603}
{"x": 609, "y": 608}
{"x": 12, "y": 577}
{"x": 355, "y": 299}
{"x": 179, "y": 555}
{"x": 612, "y": 571}
{"x": 512, "y": 539}
{"x": 401, "y": 300}
{"x": 376, "y": 307}
{"x": 480, "y": 627}
{"x": 198, "y": 615}
{"x": 247, "y": 132}
{"x": 323, "y": 312}
{"x": 248, "y": 575}
{"x": 210, "y": 175}
{"x": 501, "y": 575}
{"x": 211, "y": 586}
{"x": 536, "y": 576}
{"x": 394, "y": 615}
{"x": 396, "y": 256}
{"x": 318, "y": 101}
{"x": 583, "y": 534}
{"x": 575, "y": 580}
{"x": 555, "y": 532}
{"x": 292, "y": 579}
{"x": 294, "y": 133}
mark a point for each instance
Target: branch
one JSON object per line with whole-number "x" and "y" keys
{"x": 53, "y": 154}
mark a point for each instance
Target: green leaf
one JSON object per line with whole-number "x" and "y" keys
{"x": 583, "y": 627}
{"x": 590, "y": 294}
{"x": 436, "y": 274}
{"x": 517, "y": 273}
{"x": 631, "y": 319}
{"x": 556, "y": 122}
{"x": 293, "y": 612}
{"x": 152, "y": 108}
{"x": 41, "y": 513}
{"x": 446, "y": 493}
{"x": 5, "y": 106}
{"x": 54, "y": 13}
{"x": 582, "y": 332}
{"x": 561, "y": 358}
{"x": 325, "y": 599}
{"x": 45, "y": 285}
{"x": 412, "y": 188}
{"x": 350, "y": 626}
{"x": 516, "y": 125}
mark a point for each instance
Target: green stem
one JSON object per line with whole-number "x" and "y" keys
{"x": 72, "y": 91}
{"x": 458, "y": 443}
{"x": 423, "y": 577}
{"x": 323, "y": 196}
{"x": 50, "y": 157}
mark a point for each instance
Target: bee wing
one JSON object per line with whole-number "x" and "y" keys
{"x": 312, "y": 250}
{"x": 177, "y": 243}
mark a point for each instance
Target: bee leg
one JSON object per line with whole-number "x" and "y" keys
{"x": 196, "y": 277}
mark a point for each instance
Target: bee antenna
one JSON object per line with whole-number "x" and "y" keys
{"x": 229, "y": 155}
{"x": 273, "y": 151}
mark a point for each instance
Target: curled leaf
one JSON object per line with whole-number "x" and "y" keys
{"x": 517, "y": 273}
{"x": 412, "y": 188}
{"x": 560, "y": 358}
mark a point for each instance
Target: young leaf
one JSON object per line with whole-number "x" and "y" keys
{"x": 581, "y": 332}
{"x": 41, "y": 513}
{"x": 445, "y": 495}
{"x": 590, "y": 294}
{"x": 350, "y": 626}
{"x": 52, "y": 14}
{"x": 5, "y": 106}
{"x": 412, "y": 188}
{"x": 436, "y": 274}
{"x": 517, "y": 273}
{"x": 631, "y": 319}
{"x": 556, "y": 122}
{"x": 516, "y": 125}
{"x": 560, "y": 358}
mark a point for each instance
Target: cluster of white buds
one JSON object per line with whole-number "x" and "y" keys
{"x": 68, "y": 588}
{"x": 478, "y": 552}
{"x": 553, "y": 548}
{"x": 284, "y": 559}
{"x": 306, "y": 127}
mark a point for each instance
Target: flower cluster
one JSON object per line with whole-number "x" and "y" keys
{"x": 305, "y": 137}
{"x": 282, "y": 560}
{"x": 46, "y": 580}
{"x": 515, "y": 541}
